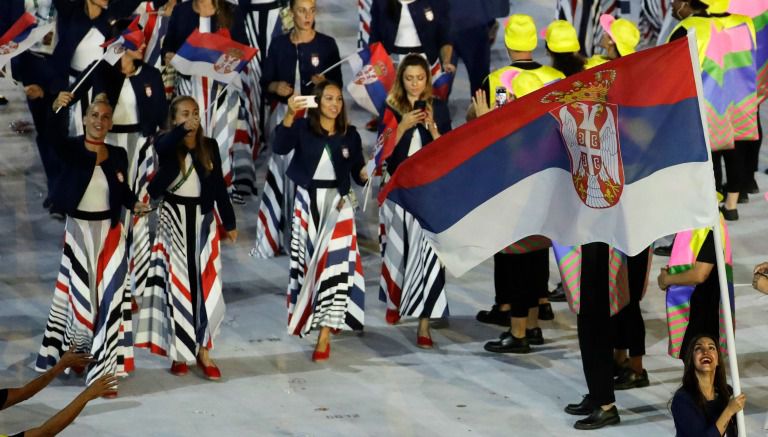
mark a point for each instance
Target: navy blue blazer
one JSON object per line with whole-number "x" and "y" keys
{"x": 314, "y": 57}
{"x": 468, "y": 14}
{"x": 430, "y": 17}
{"x": 78, "y": 164}
{"x": 346, "y": 153}
{"x": 151, "y": 105}
{"x": 10, "y": 12}
{"x": 213, "y": 188}
{"x": 442, "y": 119}
{"x": 184, "y": 20}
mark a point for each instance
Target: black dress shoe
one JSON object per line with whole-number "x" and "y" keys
{"x": 583, "y": 408}
{"x": 494, "y": 317}
{"x": 743, "y": 198}
{"x": 508, "y": 343}
{"x": 662, "y": 250}
{"x": 558, "y": 294}
{"x": 545, "y": 311}
{"x": 599, "y": 418}
{"x": 629, "y": 379}
{"x": 730, "y": 215}
{"x": 534, "y": 336}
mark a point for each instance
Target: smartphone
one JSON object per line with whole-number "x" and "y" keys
{"x": 419, "y": 105}
{"x": 501, "y": 96}
{"x": 311, "y": 102}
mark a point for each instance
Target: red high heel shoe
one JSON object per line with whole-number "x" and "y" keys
{"x": 211, "y": 372}
{"x": 424, "y": 342}
{"x": 322, "y": 356}
{"x": 110, "y": 395}
{"x": 392, "y": 316}
{"x": 179, "y": 368}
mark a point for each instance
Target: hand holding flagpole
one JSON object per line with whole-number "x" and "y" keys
{"x": 347, "y": 58}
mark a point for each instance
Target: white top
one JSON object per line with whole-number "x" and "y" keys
{"x": 96, "y": 196}
{"x": 324, "y": 170}
{"x": 406, "y": 29}
{"x": 88, "y": 50}
{"x": 416, "y": 143}
{"x": 126, "y": 112}
{"x": 190, "y": 187}
{"x": 205, "y": 25}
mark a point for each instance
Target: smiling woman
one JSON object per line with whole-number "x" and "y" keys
{"x": 703, "y": 406}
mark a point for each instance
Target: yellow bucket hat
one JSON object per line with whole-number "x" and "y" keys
{"x": 520, "y": 33}
{"x": 623, "y": 32}
{"x": 561, "y": 37}
{"x": 525, "y": 83}
{"x": 717, "y": 6}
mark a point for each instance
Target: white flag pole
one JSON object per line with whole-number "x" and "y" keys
{"x": 88, "y": 73}
{"x": 725, "y": 298}
{"x": 347, "y": 58}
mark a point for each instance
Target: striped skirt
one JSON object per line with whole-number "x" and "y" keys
{"x": 412, "y": 278}
{"x": 183, "y": 305}
{"x": 91, "y": 309}
{"x": 326, "y": 286}
{"x": 276, "y": 202}
{"x": 141, "y": 168}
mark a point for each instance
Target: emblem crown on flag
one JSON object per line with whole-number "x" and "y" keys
{"x": 590, "y": 131}
{"x": 374, "y": 77}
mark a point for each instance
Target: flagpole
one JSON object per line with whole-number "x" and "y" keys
{"x": 88, "y": 73}
{"x": 347, "y": 58}
{"x": 725, "y": 298}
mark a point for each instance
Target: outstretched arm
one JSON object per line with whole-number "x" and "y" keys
{"x": 21, "y": 394}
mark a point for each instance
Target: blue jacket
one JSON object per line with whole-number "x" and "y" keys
{"x": 280, "y": 64}
{"x": 184, "y": 20}
{"x": 429, "y": 16}
{"x": 400, "y": 153}
{"x": 346, "y": 153}
{"x": 213, "y": 188}
{"x": 468, "y": 14}
{"x": 151, "y": 105}
{"x": 77, "y": 169}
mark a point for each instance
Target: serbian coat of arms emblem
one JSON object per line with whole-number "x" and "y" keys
{"x": 590, "y": 132}
{"x": 370, "y": 73}
{"x": 228, "y": 61}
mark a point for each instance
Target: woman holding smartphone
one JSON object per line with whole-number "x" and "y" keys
{"x": 413, "y": 279}
{"x": 326, "y": 286}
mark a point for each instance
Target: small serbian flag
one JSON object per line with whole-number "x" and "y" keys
{"x": 21, "y": 36}
{"x": 583, "y": 160}
{"x": 441, "y": 82}
{"x": 374, "y": 76}
{"x": 130, "y": 39}
{"x": 385, "y": 142}
{"x": 213, "y": 55}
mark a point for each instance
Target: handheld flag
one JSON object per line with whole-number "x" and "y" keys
{"x": 22, "y": 35}
{"x": 213, "y": 55}
{"x": 613, "y": 161}
{"x": 374, "y": 76}
{"x": 441, "y": 81}
{"x": 130, "y": 39}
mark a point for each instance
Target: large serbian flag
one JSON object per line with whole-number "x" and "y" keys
{"x": 213, "y": 55}
{"x": 615, "y": 154}
{"x": 22, "y": 35}
{"x": 374, "y": 76}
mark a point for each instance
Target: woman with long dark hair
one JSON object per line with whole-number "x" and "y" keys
{"x": 563, "y": 47}
{"x": 91, "y": 309}
{"x": 703, "y": 405}
{"x": 183, "y": 306}
{"x": 413, "y": 279}
{"x": 326, "y": 286}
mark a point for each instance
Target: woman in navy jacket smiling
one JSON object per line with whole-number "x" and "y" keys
{"x": 91, "y": 305}
{"x": 327, "y": 152}
{"x": 183, "y": 306}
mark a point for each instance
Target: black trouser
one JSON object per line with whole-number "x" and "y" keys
{"x": 704, "y": 316}
{"x": 474, "y": 48}
{"x": 628, "y": 323}
{"x": 752, "y": 153}
{"x": 594, "y": 324}
{"x": 519, "y": 280}
{"x": 735, "y": 169}
{"x": 39, "y": 109}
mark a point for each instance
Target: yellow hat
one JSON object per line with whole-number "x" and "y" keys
{"x": 623, "y": 32}
{"x": 520, "y": 33}
{"x": 561, "y": 37}
{"x": 717, "y": 6}
{"x": 526, "y": 82}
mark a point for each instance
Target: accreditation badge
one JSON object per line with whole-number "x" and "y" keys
{"x": 428, "y": 14}
{"x": 148, "y": 90}
{"x": 315, "y": 60}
